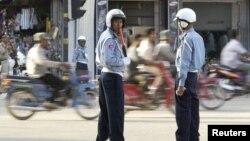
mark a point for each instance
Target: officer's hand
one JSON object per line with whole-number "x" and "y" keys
{"x": 180, "y": 90}
{"x": 126, "y": 60}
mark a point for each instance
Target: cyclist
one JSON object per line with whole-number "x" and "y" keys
{"x": 38, "y": 65}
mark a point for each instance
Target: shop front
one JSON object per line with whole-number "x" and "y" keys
{"x": 20, "y": 19}
{"x": 216, "y": 17}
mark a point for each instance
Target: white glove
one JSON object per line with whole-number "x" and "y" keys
{"x": 126, "y": 60}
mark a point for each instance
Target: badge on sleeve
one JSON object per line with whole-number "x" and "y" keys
{"x": 110, "y": 46}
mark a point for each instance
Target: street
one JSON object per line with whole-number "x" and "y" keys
{"x": 159, "y": 125}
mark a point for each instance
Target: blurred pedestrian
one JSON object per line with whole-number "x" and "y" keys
{"x": 110, "y": 59}
{"x": 189, "y": 59}
{"x": 80, "y": 56}
{"x": 4, "y": 54}
{"x": 209, "y": 44}
{"x": 223, "y": 40}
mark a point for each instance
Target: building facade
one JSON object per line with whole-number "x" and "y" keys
{"x": 214, "y": 16}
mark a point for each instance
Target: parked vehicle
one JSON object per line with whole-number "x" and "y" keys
{"x": 25, "y": 96}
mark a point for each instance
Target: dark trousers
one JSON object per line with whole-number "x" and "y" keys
{"x": 111, "y": 100}
{"x": 187, "y": 111}
{"x": 54, "y": 82}
{"x": 81, "y": 69}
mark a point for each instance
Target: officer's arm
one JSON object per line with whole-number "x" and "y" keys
{"x": 186, "y": 57}
{"x": 111, "y": 58}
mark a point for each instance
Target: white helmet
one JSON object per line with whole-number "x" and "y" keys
{"x": 81, "y": 38}
{"x": 185, "y": 16}
{"x": 114, "y": 13}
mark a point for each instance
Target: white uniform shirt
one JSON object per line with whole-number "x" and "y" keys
{"x": 230, "y": 53}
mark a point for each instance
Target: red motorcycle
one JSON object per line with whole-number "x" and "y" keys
{"x": 232, "y": 81}
{"x": 137, "y": 99}
{"x": 208, "y": 90}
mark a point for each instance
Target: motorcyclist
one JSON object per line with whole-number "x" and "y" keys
{"x": 132, "y": 71}
{"x": 37, "y": 65}
{"x": 234, "y": 55}
{"x": 145, "y": 51}
{"x": 164, "y": 51}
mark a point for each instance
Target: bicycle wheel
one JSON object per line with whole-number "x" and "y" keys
{"x": 212, "y": 98}
{"x": 170, "y": 102}
{"x": 91, "y": 111}
{"x": 15, "y": 100}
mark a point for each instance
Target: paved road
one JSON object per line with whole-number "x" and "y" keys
{"x": 159, "y": 125}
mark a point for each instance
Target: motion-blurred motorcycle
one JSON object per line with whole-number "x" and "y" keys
{"x": 25, "y": 96}
{"x": 209, "y": 92}
{"x": 232, "y": 81}
{"x": 136, "y": 97}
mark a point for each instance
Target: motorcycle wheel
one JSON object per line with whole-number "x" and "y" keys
{"x": 15, "y": 99}
{"x": 171, "y": 103}
{"x": 214, "y": 99}
{"x": 229, "y": 94}
{"x": 89, "y": 112}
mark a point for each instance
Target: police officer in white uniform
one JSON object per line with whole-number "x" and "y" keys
{"x": 111, "y": 61}
{"x": 80, "y": 56}
{"x": 190, "y": 57}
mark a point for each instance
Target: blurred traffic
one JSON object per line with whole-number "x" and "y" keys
{"x": 38, "y": 89}
{"x": 148, "y": 83}
{"x": 149, "y": 79}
